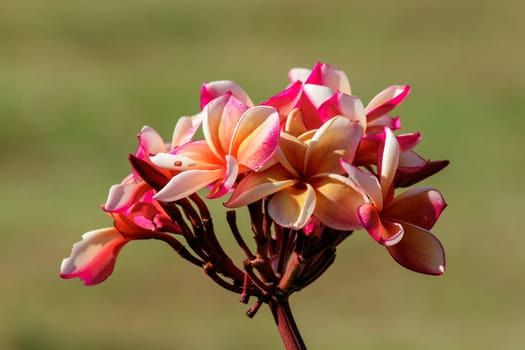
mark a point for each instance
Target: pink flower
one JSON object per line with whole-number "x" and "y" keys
{"x": 308, "y": 179}
{"x": 326, "y": 93}
{"x": 237, "y": 139}
{"x": 402, "y": 223}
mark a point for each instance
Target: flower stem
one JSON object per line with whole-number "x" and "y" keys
{"x": 285, "y": 322}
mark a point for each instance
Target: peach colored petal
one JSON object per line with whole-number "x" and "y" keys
{"x": 419, "y": 251}
{"x": 420, "y": 206}
{"x": 256, "y": 136}
{"x": 220, "y": 119}
{"x": 93, "y": 259}
{"x": 186, "y": 183}
{"x": 389, "y": 161}
{"x": 382, "y": 231}
{"x": 256, "y": 186}
{"x": 366, "y": 182}
{"x": 291, "y": 154}
{"x": 293, "y": 206}
{"x": 214, "y": 89}
{"x": 386, "y": 100}
{"x": 336, "y": 201}
{"x": 295, "y": 123}
{"x": 337, "y": 139}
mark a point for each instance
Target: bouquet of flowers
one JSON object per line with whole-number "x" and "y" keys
{"x": 312, "y": 164}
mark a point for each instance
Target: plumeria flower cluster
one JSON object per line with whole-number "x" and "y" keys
{"x": 312, "y": 164}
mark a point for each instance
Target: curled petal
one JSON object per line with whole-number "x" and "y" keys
{"x": 419, "y": 251}
{"x": 386, "y": 101}
{"x": 150, "y": 142}
{"x": 256, "y": 136}
{"x": 186, "y": 183}
{"x": 367, "y": 183}
{"x": 286, "y": 100}
{"x": 382, "y": 231}
{"x": 93, "y": 259}
{"x": 345, "y": 105}
{"x": 337, "y": 202}
{"x": 293, "y": 206}
{"x": 256, "y": 186}
{"x": 409, "y": 175}
{"x": 337, "y": 139}
{"x": 378, "y": 125}
{"x": 185, "y": 129}
{"x": 331, "y": 76}
{"x": 121, "y": 196}
{"x": 420, "y": 206}
{"x": 220, "y": 119}
{"x": 214, "y": 89}
{"x": 291, "y": 154}
{"x": 295, "y": 123}
{"x": 389, "y": 161}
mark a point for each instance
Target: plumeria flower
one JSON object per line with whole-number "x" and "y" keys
{"x": 308, "y": 180}
{"x": 326, "y": 93}
{"x": 237, "y": 139}
{"x": 400, "y": 223}
{"x": 93, "y": 258}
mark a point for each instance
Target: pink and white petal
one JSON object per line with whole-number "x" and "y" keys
{"x": 286, "y": 100}
{"x": 378, "y": 124}
{"x": 345, "y": 105}
{"x": 192, "y": 155}
{"x": 150, "y": 142}
{"x": 256, "y": 136}
{"x": 185, "y": 129}
{"x": 225, "y": 185}
{"x": 256, "y": 186}
{"x": 419, "y": 206}
{"x": 386, "y": 101}
{"x": 93, "y": 258}
{"x": 295, "y": 123}
{"x": 121, "y": 196}
{"x": 389, "y": 156}
{"x": 419, "y": 251}
{"x": 337, "y": 201}
{"x": 317, "y": 94}
{"x": 366, "y": 182}
{"x": 382, "y": 231}
{"x": 220, "y": 119}
{"x": 214, "y": 89}
{"x": 330, "y": 76}
{"x": 337, "y": 139}
{"x": 299, "y": 74}
{"x": 293, "y": 206}
{"x": 186, "y": 183}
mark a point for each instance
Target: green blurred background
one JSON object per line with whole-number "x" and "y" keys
{"x": 78, "y": 79}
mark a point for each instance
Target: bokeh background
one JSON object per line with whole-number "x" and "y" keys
{"x": 78, "y": 79}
